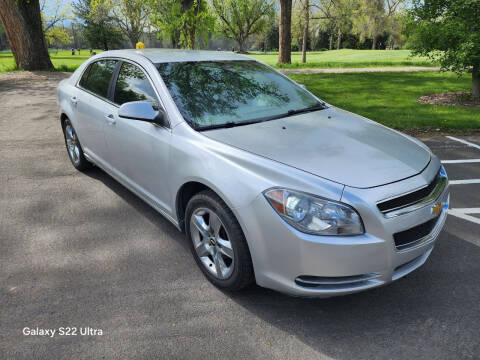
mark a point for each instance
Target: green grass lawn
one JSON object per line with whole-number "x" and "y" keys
{"x": 391, "y": 98}
{"x": 62, "y": 60}
{"x": 347, "y": 58}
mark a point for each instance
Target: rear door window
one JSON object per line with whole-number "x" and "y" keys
{"x": 133, "y": 85}
{"x": 98, "y": 77}
{"x": 83, "y": 80}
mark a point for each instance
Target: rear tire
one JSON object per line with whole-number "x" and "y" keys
{"x": 74, "y": 149}
{"x": 217, "y": 242}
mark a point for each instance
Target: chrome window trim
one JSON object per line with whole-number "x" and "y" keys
{"x": 77, "y": 85}
{"x": 159, "y": 98}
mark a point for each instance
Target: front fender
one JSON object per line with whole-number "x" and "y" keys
{"x": 237, "y": 176}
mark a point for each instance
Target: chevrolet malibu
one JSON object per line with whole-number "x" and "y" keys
{"x": 270, "y": 184}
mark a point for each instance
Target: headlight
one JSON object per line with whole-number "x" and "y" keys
{"x": 314, "y": 215}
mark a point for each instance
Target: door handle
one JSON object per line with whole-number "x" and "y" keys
{"x": 74, "y": 100}
{"x": 110, "y": 119}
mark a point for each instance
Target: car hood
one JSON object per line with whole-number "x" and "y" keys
{"x": 333, "y": 144}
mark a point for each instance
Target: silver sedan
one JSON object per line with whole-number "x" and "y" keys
{"x": 270, "y": 184}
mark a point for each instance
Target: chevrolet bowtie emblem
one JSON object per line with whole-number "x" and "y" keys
{"x": 436, "y": 209}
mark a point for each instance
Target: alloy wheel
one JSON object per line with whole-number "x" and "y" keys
{"x": 212, "y": 243}
{"x": 73, "y": 146}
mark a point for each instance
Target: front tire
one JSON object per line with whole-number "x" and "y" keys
{"x": 217, "y": 242}
{"x": 74, "y": 149}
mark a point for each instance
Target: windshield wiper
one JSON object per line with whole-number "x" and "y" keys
{"x": 318, "y": 106}
{"x": 230, "y": 124}
{"x": 226, "y": 125}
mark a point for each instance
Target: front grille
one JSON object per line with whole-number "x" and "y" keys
{"x": 406, "y": 237}
{"x": 408, "y": 199}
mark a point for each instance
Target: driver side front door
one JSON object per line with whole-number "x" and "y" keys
{"x": 138, "y": 151}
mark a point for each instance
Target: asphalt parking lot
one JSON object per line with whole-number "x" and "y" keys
{"x": 79, "y": 250}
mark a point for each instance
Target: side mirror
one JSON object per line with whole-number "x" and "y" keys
{"x": 302, "y": 86}
{"x": 143, "y": 111}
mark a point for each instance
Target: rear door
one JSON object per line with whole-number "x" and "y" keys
{"x": 93, "y": 106}
{"x": 138, "y": 150}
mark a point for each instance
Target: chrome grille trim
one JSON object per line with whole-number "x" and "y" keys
{"x": 426, "y": 239}
{"x": 335, "y": 281}
{"x": 441, "y": 184}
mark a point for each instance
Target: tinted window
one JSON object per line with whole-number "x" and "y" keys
{"x": 99, "y": 76}
{"x": 214, "y": 93}
{"x": 83, "y": 80}
{"x": 133, "y": 85}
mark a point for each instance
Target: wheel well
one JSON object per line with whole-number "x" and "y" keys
{"x": 186, "y": 192}
{"x": 63, "y": 117}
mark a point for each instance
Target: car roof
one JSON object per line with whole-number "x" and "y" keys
{"x": 177, "y": 55}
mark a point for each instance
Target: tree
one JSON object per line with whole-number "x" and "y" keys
{"x": 396, "y": 29}
{"x": 337, "y": 17}
{"x": 57, "y": 37}
{"x": 369, "y": 20}
{"x": 285, "y": 32}
{"x": 328, "y": 11}
{"x": 306, "y": 14}
{"x": 449, "y": 31}
{"x": 54, "y": 12}
{"x": 301, "y": 15}
{"x": 22, "y": 22}
{"x": 99, "y": 28}
{"x": 306, "y": 20}
{"x": 131, "y": 16}
{"x": 394, "y": 20}
{"x": 239, "y": 19}
{"x": 183, "y": 21}
{"x": 268, "y": 40}
{"x": 3, "y": 38}
{"x": 76, "y": 34}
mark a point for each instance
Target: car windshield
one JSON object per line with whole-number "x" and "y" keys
{"x": 214, "y": 94}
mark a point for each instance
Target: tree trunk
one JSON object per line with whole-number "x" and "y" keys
{"x": 186, "y": 6}
{"x": 104, "y": 38}
{"x": 476, "y": 81}
{"x": 285, "y": 32}
{"x": 241, "y": 45}
{"x": 74, "y": 35}
{"x": 23, "y": 25}
{"x": 105, "y": 42}
{"x": 391, "y": 42}
{"x": 374, "y": 42}
{"x": 192, "y": 39}
{"x": 330, "y": 45}
{"x": 305, "y": 31}
{"x": 339, "y": 39}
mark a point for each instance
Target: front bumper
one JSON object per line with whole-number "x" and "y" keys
{"x": 300, "y": 264}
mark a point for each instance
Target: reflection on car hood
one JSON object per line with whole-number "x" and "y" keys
{"x": 334, "y": 144}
